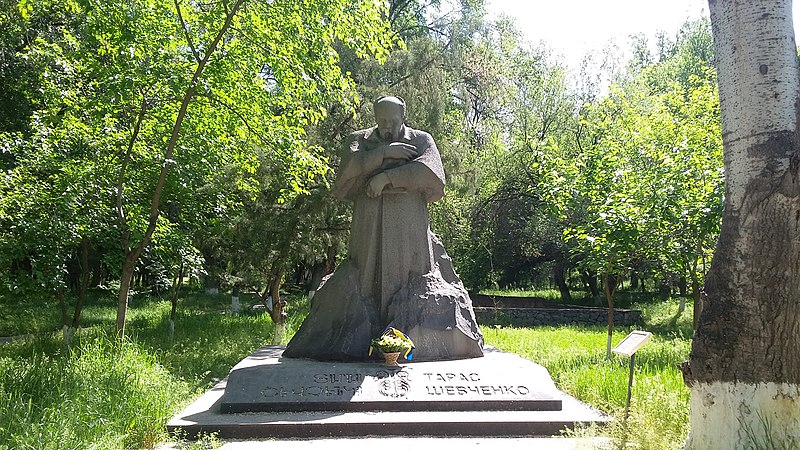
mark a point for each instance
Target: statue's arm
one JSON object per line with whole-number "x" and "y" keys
{"x": 420, "y": 174}
{"x": 417, "y": 177}
{"x": 357, "y": 165}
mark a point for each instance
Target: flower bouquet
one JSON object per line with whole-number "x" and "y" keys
{"x": 391, "y": 344}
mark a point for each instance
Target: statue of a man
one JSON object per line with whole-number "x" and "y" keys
{"x": 397, "y": 272}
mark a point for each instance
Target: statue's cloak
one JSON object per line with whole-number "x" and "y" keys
{"x": 397, "y": 272}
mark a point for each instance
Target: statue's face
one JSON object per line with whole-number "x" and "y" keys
{"x": 389, "y": 119}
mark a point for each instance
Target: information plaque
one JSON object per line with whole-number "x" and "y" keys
{"x": 632, "y": 343}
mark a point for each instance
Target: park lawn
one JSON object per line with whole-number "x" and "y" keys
{"x": 576, "y": 359}
{"x": 97, "y": 393}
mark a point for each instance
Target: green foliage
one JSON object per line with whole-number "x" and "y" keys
{"x": 643, "y": 189}
{"x": 513, "y": 99}
{"x": 141, "y": 108}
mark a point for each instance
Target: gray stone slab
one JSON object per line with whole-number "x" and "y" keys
{"x": 266, "y": 382}
{"x": 205, "y": 415}
{"x": 422, "y": 442}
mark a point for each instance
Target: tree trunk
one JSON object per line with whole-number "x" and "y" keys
{"x": 235, "y": 305}
{"x": 277, "y": 313}
{"x": 125, "y": 280}
{"x": 62, "y": 303}
{"x": 609, "y": 291}
{"x": 97, "y": 270}
{"x": 590, "y": 281}
{"x": 330, "y": 260}
{"x": 176, "y": 290}
{"x": 85, "y": 273}
{"x": 559, "y": 267}
{"x": 744, "y": 369}
{"x": 698, "y": 301}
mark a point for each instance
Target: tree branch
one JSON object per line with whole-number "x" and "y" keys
{"x": 176, "y": 129}
{"x": 186, "y": 32}
{"x": 423, "y": 67}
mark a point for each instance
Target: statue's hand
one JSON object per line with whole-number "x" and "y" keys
{"x": 376, "y": 184}
{"x": 400, "y": 150}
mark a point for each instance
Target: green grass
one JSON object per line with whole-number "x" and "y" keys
{"x": 548, "y": 294}
{"x": 28, "y": 314}
{"x": 575, "y": 358}
{"x": 97, "y": 393}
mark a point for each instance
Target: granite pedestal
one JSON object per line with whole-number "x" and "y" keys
{"x": 499, "y": 394}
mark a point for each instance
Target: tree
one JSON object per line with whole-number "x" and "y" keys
{"x": 167, "y": 94}
{"x": 271, "y": 238}
{"x": 744, "y": 368}
{"x": 640, "y": 189}
{"x": 52, "y": 212}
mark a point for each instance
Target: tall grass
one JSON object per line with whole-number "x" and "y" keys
{"x": 99, "y": 393}
{"x": 575, "y": 358}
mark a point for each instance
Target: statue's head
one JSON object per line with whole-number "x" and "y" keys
{"x": 389, "y": 114}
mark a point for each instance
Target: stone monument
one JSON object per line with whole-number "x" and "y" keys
{"x": 397, "y": 272}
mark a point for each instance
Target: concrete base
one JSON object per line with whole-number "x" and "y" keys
{"x": 205, "y": 415}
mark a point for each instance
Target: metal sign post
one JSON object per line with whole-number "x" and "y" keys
{"x": 628, "y": 347}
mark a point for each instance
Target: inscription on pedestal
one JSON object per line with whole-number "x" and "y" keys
{"x": 367, "y": 387}
{"x": 454, "y": 384}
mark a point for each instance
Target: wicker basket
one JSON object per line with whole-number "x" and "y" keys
{"x": 390, "y": 359}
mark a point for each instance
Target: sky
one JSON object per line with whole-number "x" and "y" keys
{"x": 574, "y": 27}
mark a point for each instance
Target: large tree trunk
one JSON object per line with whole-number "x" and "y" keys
{"x": 744, "y": 370}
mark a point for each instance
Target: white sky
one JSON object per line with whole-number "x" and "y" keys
{"x": 573, "y": 28}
